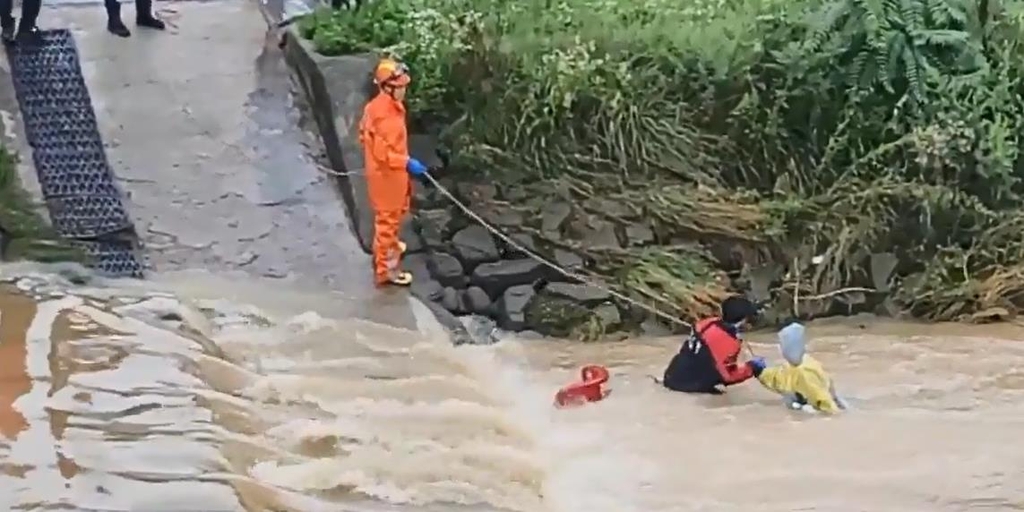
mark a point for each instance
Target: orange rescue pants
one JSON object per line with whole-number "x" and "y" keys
{"x": 386, "y": 254}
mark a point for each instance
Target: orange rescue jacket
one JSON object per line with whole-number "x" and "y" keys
{"x": 384, "y": 137}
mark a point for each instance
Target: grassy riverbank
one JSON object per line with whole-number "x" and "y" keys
{"x": 807, "y": 134}
{"x": 25, "y": 234}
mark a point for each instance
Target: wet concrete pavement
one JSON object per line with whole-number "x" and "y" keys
{"x": 203, "y": 133}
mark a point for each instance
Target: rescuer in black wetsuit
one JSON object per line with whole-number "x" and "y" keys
{"x": 27, "y": 28}
{"x": 143, "y": 17}
{"x": 708, "y": 359}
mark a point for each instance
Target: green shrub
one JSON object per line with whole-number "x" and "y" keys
{"x": 27, "y": 235}
{"x": 377, "y": 25}
{"x": 811, "y": 127}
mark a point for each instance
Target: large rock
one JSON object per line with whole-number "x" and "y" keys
{"x": 568, "y": 260}
{"x": 619, "y": 209}
{"x": 580, "y": 293}
{"x": 451, "y": 300}
{"x": 609, "y": 316}
{"x": 639, "y": 235}
{"x": 474, "y": 245}
{"x": 524, "y": 240}
{"x": 413, "y": 240}
{"x": 515, "y": 193}
{"x": 600, "y": 235}
{"x": 425, "y": 197}
{"x": 424, "y": 285}
{"x": 761, "y": 279}
{"x": 496, "y": 277}
{"x": 418, "y": 265}
{"x": 882, "y": 267}
{"x": 428, "y": 290}
{"x": 473, "y": 193}
{"x": 434, "y": 226}
{"x": 482, "y": 330}
{"x": 447, "y": 270}
{"x": 555, "y": 316}
{"x": 502, "y": 215}
{"x": 653, "y": 328}
{"x": 554, "y": 215}
{"x": 424, "y": 148}
{"x": 573, "y": 310}
{"x": 476, "y": 300}
{"x": 511, "y": 308}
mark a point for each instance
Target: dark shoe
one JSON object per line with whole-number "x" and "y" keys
{"x": 28, "y": 35}
{"x": 116, "y": 26}
{"x": 7, "y": 31}
{"x": 150, "y": 22}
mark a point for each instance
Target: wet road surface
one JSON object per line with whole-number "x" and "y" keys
{"x": 202, "y": 131}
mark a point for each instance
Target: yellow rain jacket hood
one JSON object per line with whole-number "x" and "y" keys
{"x": 802, "y": 379}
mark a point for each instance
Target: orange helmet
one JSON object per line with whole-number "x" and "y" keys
{"x": 391, "y": 72}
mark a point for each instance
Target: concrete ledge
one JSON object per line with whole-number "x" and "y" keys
{"x": 336, "y": 89}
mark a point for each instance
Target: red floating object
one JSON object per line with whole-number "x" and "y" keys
{"x": 590, "y": 388}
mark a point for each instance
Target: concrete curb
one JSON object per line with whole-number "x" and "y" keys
{"x": 335, "y": 88}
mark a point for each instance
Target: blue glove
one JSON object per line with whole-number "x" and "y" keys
{"x": 757, "y": 364}
{"x": 415, "y": 167}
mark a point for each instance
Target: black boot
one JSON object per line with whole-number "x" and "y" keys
{"x": 144, "y": 15}
{"x": 7, "y": 26}
{"x": 27, "y": 31}
{"x": 28, "y": 34}
{"x": 114, "y": 24}
{"x": 150, "y": 21}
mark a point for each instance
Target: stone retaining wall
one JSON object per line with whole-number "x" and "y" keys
{"x": 459, "y": 268}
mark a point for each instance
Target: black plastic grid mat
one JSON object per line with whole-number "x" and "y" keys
{"x": 83, "y": 199}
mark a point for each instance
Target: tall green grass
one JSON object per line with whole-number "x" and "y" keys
{"x": 834, "y": 128}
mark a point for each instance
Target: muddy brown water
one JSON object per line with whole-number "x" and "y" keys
{"x": 129, "y": 399}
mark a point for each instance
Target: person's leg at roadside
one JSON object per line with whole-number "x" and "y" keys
{"x": 114, "y": 24}
{"x": 7, "y": 21}
{"x": 144, "y": 15}
{"x": 27, "y": 29}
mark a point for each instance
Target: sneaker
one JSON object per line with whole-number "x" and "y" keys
{"x": 396, "y": 279}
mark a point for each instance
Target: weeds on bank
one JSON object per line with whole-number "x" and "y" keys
{"x": 811, "y": 127}
{"x": 25, "y": 234}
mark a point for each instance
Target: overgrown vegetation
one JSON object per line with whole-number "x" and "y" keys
{"x": 24, "y": 234}
{"x": 788, "y": 129}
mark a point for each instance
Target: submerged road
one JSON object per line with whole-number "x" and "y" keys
{"x": 203, "y": 133}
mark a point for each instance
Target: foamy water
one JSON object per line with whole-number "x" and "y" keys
{"x": 169, "y": 396}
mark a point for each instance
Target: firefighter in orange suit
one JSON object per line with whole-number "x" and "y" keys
{"x": 384, "y": 137}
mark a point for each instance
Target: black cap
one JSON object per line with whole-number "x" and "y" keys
{"x": 735, "y": 309}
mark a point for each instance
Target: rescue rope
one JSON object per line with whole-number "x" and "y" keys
{"x": 564, "y": 272}
{"x": 540, "y": 259}
{"x": 553, "y": 266}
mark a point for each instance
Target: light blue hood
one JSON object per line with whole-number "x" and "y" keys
{"x": 792, "y": 343}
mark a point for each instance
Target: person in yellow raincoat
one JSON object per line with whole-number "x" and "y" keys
{"x": 384, "y": 137}
{"x": 801, "y": 380}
